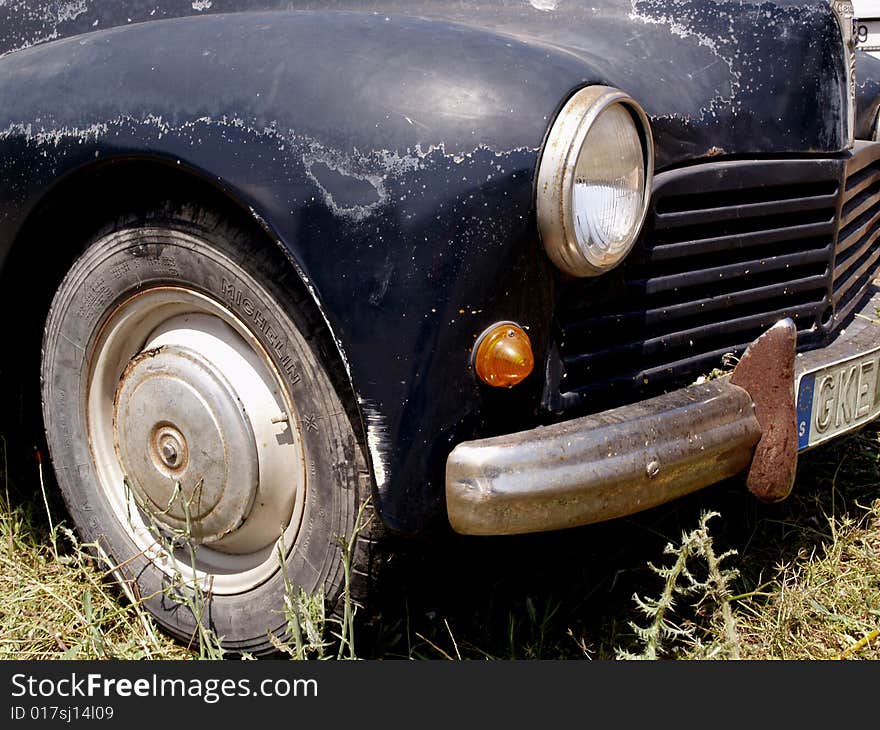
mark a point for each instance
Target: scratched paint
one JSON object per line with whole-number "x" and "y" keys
{"x": 377, "y": 441}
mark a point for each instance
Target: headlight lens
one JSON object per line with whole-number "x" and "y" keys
{"x": 594, "y": 181}
{"x": 609, "y": 185}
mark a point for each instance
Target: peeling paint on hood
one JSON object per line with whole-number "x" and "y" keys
{"x": 39, "y": 22}
{"x": 702, "y": 69}
{"x": 372, "y": 171}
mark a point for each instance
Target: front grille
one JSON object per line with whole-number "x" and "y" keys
{"x": 728, "y": 249}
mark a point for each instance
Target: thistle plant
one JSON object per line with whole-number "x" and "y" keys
{"x": 707, "y": 587}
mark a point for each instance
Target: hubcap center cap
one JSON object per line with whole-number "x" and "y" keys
{"x": 169, "y": 447}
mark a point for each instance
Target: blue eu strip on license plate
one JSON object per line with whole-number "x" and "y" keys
{"x": 838, "y": 398}
{"x": 805, "y": 409}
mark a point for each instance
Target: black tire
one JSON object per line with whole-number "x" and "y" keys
{"x": 197, "y": 250}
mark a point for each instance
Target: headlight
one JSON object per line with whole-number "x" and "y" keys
{"x": 594, "y": 181}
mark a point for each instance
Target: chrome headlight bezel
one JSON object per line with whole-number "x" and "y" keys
{"x": 556, "y": 174}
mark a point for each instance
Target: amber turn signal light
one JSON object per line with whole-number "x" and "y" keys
{"x": 503, "y": 355}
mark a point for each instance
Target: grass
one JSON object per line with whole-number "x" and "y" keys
{"x": 715, "y": 575}
{"x": 57, "y": 599}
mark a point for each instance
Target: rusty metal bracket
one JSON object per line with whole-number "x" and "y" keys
{"x": 766, "y": 373}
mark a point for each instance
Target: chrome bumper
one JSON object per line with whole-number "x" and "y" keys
{"x": 632, "y": 458}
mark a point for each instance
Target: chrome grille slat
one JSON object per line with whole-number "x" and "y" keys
{"x": 859, "y": 204}
{"x": 859, "y": 179}
{"x": 850, "y": 235}
{"x": 853, "y": 253}
{"x": 867, "y": 262}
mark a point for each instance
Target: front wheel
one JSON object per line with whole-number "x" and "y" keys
{"x": 195, "y": 427}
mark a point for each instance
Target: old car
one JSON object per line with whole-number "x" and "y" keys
{"x": 296, "y": 276}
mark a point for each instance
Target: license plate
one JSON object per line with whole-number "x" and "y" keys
{"x": 838, "y": 398}
{"x": 867, "y": 35}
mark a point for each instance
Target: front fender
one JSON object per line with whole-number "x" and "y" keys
{"x": 393, "y": 159}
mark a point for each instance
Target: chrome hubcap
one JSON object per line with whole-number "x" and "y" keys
{"x": 190, "y": 425}
{"x": 170, "y": 397}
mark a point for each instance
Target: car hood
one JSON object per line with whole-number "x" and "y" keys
{"x": 716, "y": 77}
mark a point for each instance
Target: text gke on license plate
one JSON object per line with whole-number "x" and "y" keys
{"x": 838, "y": 398}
